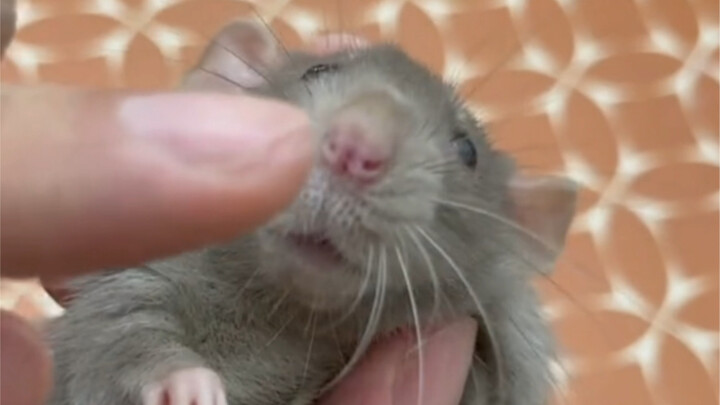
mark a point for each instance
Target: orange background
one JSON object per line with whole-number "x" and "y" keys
{"x": 621, "y": 95}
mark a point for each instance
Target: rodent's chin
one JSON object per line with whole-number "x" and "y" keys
{"x": 316, "y": 275}
{"x": 318, "y": 289}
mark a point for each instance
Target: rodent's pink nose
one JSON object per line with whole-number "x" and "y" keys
{"x": 350, "y": 150}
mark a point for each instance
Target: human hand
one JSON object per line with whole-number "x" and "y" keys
{"x": 387, "y": 376}
{"x": 98, "y": 179}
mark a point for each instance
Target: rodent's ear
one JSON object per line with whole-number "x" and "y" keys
{"x": 544, "y": 205}
{"x": 237, "y": 58}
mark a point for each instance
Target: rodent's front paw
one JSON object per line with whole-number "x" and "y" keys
{"x": 188, "y": 386}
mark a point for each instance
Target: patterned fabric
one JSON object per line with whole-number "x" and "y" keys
{"x": 621, "y": 95}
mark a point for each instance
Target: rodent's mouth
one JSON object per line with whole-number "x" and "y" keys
{"x": 316, "y": 247}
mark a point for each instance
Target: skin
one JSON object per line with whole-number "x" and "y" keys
{"x": 190, "y": 185}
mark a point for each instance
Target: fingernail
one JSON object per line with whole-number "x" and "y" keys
{"x": 217, "y": 130}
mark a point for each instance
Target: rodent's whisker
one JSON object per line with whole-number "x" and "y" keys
{"x": 279, "y": 331}
{"x": 249, "y": 281}
{"x": 220, "y": 76}
{"x": 482, "y": 313}
{"x": 255, "y": 69}
{"x": 514, "y": 225}
{"x": 559, "y": 391}
{"x": 216, "y": 42}
{"x": 493, "y": 71}
{"x": 430, "y": 267}
{"x": 446, "y": 169}
{"x": 372, "y": 322}
{"x": 416, "y": 321}
{"x": 277, "y": 40}
{"x": 474, "y": 377}
{"x": 435, "y": 164}
{"x": 500, "y": 219}
{"x": 271, "y": 31}
{"x": 510, "y": 223}
{"x": 505, "y": 58}
{"x": 361, "y": 290}
{"x": 546, "y": 372}
{"x": 287, "y": 312}
{"x": 279, "y": 302}
{"x": 310, "y": 346}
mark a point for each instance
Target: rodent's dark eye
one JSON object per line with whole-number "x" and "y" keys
{"x": 319, "y": 69}
{"x": 466, "y": 150}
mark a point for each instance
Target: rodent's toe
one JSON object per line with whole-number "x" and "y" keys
{"x": 190, "y": 386}
{"x": 153, "y": 394}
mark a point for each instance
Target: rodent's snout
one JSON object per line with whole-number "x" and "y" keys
{"x": 360, "y": 142}
{"x": 352, "y": 151}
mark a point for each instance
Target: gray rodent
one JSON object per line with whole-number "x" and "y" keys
{"x": 420, "y": 199}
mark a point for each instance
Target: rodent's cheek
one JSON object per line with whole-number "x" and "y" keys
{"x": 285, "y": 219}
{"x": 409, "y": 198}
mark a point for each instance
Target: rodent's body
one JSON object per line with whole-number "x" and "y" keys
{"x": 269, "y": 350}
{"x": 261, "y": 356}
{"x": 275, "y": 323}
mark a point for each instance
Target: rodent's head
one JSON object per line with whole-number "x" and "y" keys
{"x": 406, "y": 187}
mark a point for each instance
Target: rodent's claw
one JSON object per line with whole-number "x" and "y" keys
{"x": 190, "y": 386}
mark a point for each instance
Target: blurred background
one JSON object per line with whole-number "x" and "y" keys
{"x": 620, "y": 95}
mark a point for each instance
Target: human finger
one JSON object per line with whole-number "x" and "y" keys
{"x": 102, "y": 179}
{"x": 25, "y": 362}
{"x": 389, "y": 374}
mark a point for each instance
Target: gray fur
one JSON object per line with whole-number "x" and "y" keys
{"x": 276, "y": 330}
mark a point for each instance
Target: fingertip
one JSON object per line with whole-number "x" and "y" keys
{"x": 256, "y": 148}
{"x": 211, "y": 130}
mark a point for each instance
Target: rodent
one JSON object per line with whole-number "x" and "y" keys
{"x": 407, "y": 194}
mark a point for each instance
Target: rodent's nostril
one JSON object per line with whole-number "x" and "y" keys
{"x": 331, "y": 145}
{"x": 350, "y": 151}
{"x": 372, "y": 165}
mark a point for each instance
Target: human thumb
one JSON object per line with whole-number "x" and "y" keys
{"x": 97, "y": 179}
